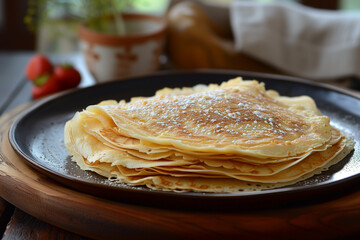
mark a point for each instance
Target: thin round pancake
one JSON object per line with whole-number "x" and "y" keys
{"x": 201, "y": 183}
{"x": 217, "y": 138}
{"x": 78, "y": 142}
{"x": 234, "y": 118}
{"x": 96, "y": 150}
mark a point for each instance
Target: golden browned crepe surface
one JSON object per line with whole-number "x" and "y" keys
{"x": 236, "y": 136}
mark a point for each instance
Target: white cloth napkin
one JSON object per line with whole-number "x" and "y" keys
{"x": 307, "y": 42}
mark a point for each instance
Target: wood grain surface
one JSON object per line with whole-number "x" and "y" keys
{"x": 24, "y": 226}
{"x": 337, "y": 217}
{"x": 6, "y": 211}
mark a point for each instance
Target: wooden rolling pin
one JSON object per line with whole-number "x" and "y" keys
{"x": 196, "y": 41}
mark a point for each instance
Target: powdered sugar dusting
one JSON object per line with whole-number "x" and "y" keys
{"x": 231, "y": 113}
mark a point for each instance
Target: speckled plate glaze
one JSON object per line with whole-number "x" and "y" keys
{"x": 37, "y": 135}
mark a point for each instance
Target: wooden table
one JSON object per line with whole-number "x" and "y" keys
{"x": 337, "y": 217}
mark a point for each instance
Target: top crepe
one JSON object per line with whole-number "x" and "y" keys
{"x": 216, "y": 138}
{"x": 237, "y": 117}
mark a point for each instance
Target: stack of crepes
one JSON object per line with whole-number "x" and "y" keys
{"x": 232, "y": 137}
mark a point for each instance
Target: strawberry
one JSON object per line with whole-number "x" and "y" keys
{"x": 38, "y": 66}
{"x": 50, "y": 85}
{"x": 68, "y": 77}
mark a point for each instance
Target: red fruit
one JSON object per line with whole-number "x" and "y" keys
{"x": 67, "y": 76}
{"x": 50, "y": 86}
{"x": 38, "y": 66}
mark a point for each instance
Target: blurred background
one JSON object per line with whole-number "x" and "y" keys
{"x": 51, "y": 26}
{"x": 56, "y": 26}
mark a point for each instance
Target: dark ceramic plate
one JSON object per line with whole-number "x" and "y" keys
{"x": 37, "y": 135}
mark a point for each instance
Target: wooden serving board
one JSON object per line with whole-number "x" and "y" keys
{"x": 94, "y": 217}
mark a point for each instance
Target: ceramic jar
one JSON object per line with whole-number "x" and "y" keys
{"x": 113, "y": 57}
